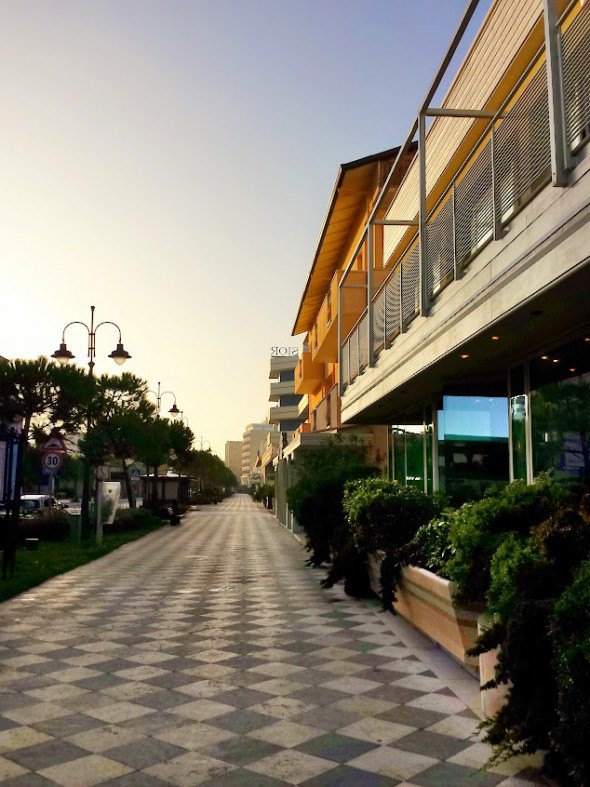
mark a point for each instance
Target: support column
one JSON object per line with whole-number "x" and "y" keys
{"x": 424, "y": 300}
{"x": 560, "y": 157}
{"x": 528, "y": 425}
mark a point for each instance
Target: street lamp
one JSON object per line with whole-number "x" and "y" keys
{"x": 173, "y": 411}
{"x": 201, "y": 441}
{"x": 183, "y": 418}
{"x": 63, "y": 356}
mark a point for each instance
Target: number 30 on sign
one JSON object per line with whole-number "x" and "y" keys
{"x": 52, "y": 461}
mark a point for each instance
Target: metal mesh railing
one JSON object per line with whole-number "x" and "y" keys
{"x": 393, "y": 305}
{"x": 522, "y": 148}
{"x": 474, "y": 214}
{"x": 363, "y": 339}
{"x": 576, "y": 79}
{"x": 379, "y": 321}
{"x": 501, "y": 176}
{"x": 353, "y": 355}
{"x": 410, "y": 270}
{"x": 344, "y": 365}
{"x": 440, "y": 245}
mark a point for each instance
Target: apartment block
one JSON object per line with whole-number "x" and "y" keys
{"x": 253, "y": 447}
{"x": 233, "y": 457}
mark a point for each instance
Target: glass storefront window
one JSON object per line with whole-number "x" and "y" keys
{"x": 560, "y": 411}
{"x": 407, "y": 452}
{"x": 472, "y": 445}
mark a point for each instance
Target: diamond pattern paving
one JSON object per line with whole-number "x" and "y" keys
{"x": 208, "y": 654}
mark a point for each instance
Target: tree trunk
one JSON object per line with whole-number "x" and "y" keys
{"x": 128, "y": 484}
{"x": 155, "y": 489}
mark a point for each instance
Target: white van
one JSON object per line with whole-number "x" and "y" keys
{"x": 37, "y": 504}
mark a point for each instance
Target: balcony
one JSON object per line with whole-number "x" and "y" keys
{"x": 308, "y": 374}
{"x": 282, "y": 363}
{"x": 303, "y": 408}
{"x": 327, "y": 414}
{"x": 279, "y": 389}
{"x": 287, "y": 413}
{"x": 324, "y": 335}
{"x": 492, "y": 203}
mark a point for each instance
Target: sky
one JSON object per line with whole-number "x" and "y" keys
{"x": 170, "y": 162}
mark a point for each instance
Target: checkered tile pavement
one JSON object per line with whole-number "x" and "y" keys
{"x": 208, "y": 654}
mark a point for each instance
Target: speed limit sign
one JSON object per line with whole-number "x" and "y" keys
{"x": 52, "y": 461}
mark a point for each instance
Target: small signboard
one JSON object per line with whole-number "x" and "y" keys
{"x": 55, "y": 442}
{"x": 52, "y": 461}
{"x": 102, "y": 472}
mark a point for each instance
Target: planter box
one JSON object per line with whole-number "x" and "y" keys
{"x": 491, "y": 699}
{"x": 426, "y": 601}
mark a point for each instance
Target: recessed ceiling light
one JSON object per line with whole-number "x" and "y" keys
{"x": 556, "y": 360}
{"x": 495, "y": 338}
{"x": 465, "y": 355}
{"x": 572, "y": 369}
{"x": 544, "y": 357}
{"x": 587, "y": 338}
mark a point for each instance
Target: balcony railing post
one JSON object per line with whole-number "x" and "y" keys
{"x": 370, "y": 265}
{"x": 424, "y": 300}
{"x": 560, "y": 156}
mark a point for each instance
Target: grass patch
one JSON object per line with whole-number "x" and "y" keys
{"x": 53, "y": 558}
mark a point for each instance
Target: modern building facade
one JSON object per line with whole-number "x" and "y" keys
{"x": 473, "y": 341}
{"x": 320, "y": 311}
{"x": 285, "y": 414}
{"x": 233, "y": 457}
{"x": 253, "y": 447}
{"x": 325, "y": 305}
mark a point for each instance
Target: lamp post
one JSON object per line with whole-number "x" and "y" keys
{"x": 173, "y": 412}
{"x": 63, "y": 356}
{"x": 159, "y": 394}
{"x": 201, "y": 441}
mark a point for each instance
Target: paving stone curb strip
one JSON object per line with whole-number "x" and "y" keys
{"x": 208, "y": 654}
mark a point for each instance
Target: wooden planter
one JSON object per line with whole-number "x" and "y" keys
{"x": 491, "y": 699}
{"x": 426, "y": 601}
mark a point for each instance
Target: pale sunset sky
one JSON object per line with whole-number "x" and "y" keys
{"x": 170, "y": 162}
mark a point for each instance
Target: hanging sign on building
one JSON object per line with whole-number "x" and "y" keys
{"x": 283, "y": 352}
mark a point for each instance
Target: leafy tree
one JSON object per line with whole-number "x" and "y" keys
{"x": 212, "y": 474}
{"x": 122, "y": 413}
{"x": 316, "y": 501}
{"x": 45, "y": 395}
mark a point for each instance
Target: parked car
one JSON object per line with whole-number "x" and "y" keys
{"x": 36, "y": 505}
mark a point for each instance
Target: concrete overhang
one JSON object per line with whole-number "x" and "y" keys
{"x": 540, "y": 324}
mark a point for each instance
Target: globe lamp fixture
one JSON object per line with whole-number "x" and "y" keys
{"x": 63, "y": 355}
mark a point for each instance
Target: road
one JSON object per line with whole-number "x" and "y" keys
{"x": 208, "y": 654}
